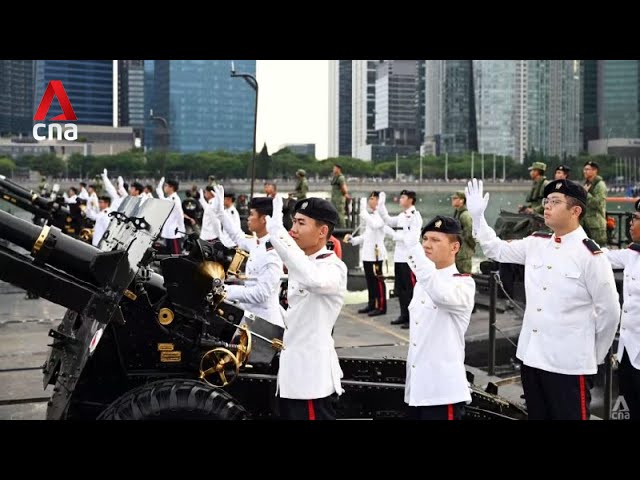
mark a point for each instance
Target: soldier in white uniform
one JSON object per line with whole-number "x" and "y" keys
{"x": 436, "y": 387}
{"x": 373, "y": 253}
{"x": 259, "y": 294}
{"x": 629, "y": 342}
{"x": 309, "y": 374}
{"x": 211, "y": 226}
{"x": 101, "y": 219}
{"x": 173, "y": 229}
{"x": 404, "y": 277}
{"x": 232, "y": 215}
{"x": 572, "y": 308}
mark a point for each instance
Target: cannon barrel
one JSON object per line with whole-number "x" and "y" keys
{"x": 49, "y": 245}
{"x": 29, "y": 195}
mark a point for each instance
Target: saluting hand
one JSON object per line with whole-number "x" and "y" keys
{"x": 476, "y": 203}
{"x": 363, "y": 204}
{"x": 218, "y": 205}
{"x": 382, "y": 198}
{"x": 274, "y": 221}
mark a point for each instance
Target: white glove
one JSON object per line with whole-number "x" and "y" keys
{"x": 410, "y": 236}
{"x": 274, "y": 222}
{"x": 161, "y": 183}
{"x": 120, "y": 182}
{"x": 382, "y": 208}
{"x": 104, "y": 173}
{"x": 201, "y": 192}
{"x": 218, "y": 201}
{"x": 363, "y": 204}
{"x": 476, "y": 203}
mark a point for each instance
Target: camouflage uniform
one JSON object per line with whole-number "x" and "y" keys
{"x": 595, "y": 220}
{"x": 534, "y": 199}
{"x": 302, "y": 187}
{"x": 337, "y": 198}
{"x": 468, "y": 247}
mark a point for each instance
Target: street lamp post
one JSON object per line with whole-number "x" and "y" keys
{"x": 163, "y": 121}
{"x": 253, "y": 83}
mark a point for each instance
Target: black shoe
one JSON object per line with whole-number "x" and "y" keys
{"x": 405, "y": 326}
{"x": 399, "y": 321}
{"x": 366, "y": 309}
{"x": 375, "y": 313}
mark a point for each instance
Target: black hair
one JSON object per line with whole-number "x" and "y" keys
{"x": 574, "y": 202}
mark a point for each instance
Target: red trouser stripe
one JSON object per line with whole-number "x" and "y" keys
{"x": 413, "y": 279}
{"x": 583, "y": 399}
{"x": 312, "y": 411}
{"x": 449, "y": 412}
{"x": 176, "y": 246}
{"x": 381, "y": 305}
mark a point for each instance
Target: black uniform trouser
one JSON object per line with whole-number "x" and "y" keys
{"x": 316, "y": 409}
{"x": 555, "y": 396}
{"x": 629, "y": 378}
{"x": 403, "y": 285}
{"x": 173, "y": 245}
{"x": 438, "y": 412}
{"x": 375, "y": 285}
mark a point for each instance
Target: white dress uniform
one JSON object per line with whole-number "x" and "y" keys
{"x": 409, "y": 218}
{"x": 116, "y": 199}
{"x": 440, "y": 312}
{"x": 309, "y": 366}
{"x": 101, "y": 225}
{"x": 175, "y": 220}
{"x": 210, "y": 222}
{"x": 232, "y": 214}
{"x": 84, "y": 195}
{"x": 264, "y": 269}
{"x": 372, "y": 239}
{"x": 629, "y": 259}
{"x": 572, "y": 308}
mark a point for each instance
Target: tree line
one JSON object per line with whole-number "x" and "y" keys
{"x": 284, "y": 163}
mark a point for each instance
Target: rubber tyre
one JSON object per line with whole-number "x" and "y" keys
{"x": 175, "y": 399}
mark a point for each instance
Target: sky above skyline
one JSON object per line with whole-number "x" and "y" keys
{"x": 293, "y": 103}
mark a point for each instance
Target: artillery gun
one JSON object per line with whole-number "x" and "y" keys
{"x": 69, "y": 218}
{"x": 138, "y": 345}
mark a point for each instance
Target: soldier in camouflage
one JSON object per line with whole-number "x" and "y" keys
{"x": 339, "y": 194}
{"x": 468, "y": 247}
{"x": 595, "y": 220}
{"x": 534, "y": 199}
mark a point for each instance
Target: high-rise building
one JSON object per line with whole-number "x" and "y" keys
{"x": 204, "y": 107}
{"x": 131, "y": 104}
{"x": 450, "y": 118}
{"x": 396, "y": 112}
{"x": 89, "y": 86}
{"x": 340, "y": 108}
{"x": 618, "y": 98}
{"x": 363, "y": 104}
{"x": 16, "y": 97}
{"x": 589, "y": 102}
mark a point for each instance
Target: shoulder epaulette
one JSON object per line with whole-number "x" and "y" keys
{"x": 592, "y": 246}
{"x": 635, "y": 247}
{"x": 324, "y": 255}
{"x": 542, "y": 234}
{"x": 268, "y": 246}
{"x": 461, "y": 274}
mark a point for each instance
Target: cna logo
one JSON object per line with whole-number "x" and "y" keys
{"x": 55, "y": 131}
{"x": 620, "y": 410}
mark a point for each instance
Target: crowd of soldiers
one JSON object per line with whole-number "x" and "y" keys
{"x": 571, "y": 317}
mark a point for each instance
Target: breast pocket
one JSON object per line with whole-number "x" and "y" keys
{"x": 568, "y": 284}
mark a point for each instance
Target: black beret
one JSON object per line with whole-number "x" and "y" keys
{"x": 318, "y": 209}
{"x": 568, "y": 188}
{"x": 563, "y": 168}
{"x": 263, "y": 205}
{"x": 409, "y": 193}
{"x": 442, "y": 224}
{"x": 592, "y": 164}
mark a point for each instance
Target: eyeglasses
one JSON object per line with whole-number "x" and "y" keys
{"x": 553, "y": 202}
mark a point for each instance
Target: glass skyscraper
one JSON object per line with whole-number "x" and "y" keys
{"x": 89, "y": 86}
{"x": 16, "y": 96}
{"x": 619, "y": 98}
{"x": 205, "y": 108}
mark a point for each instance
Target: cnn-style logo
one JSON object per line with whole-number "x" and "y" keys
{"x": 55, "y": 131}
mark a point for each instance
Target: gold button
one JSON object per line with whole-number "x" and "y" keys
{"x": 539, "y": 309}
{"x": 410, "y": 257}
{"x": 626, "y": 311}
{"x": 416, "y": 323}
{"x": 423, "y": 301}
{"x": 549, "y": 267}
{"x": 413, "y": 366}
{"x": 415, "y": 344}
{"x": 535, "y": 331}
{"x": 544, "y": 288}
{"x": 434, "y": 307}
